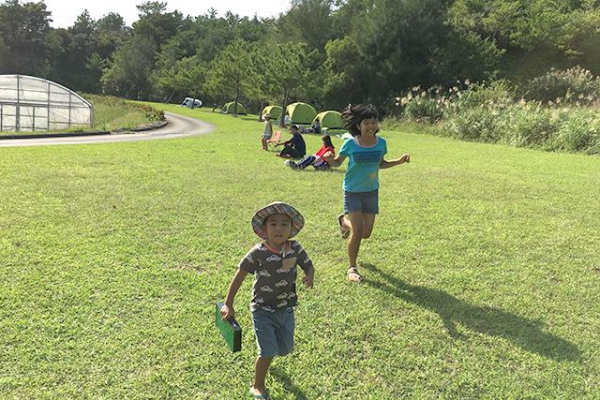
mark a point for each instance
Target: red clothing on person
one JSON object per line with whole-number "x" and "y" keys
{"x": 324, "y": 149}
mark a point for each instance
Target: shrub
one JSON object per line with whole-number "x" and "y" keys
{"x": 575, "y": 85}
{"x": 477, "y": 124}
{"x": 426, "y": 109}
{"x": 152, "y": 113}
{"x": 489, "y": 113}
{"x": 532, "y": 127}
{"x": 580, "y": 132}
{"x": 496, "y": 96}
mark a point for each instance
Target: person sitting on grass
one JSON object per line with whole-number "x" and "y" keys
{"x": 273, "y": 263}
{"x": 317, "y": 160}
{"x": 295, "y": 147}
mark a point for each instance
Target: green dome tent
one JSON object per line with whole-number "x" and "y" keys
{"x": 301, "y": 113}
{"x": 275, "y": 111}
{"x": 228, "y": 108}
{"x": 330, "y": 120}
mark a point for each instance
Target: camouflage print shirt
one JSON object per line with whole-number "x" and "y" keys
{"x": 274, "y": 275}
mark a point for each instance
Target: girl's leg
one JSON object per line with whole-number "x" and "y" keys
{"x": 368, "y": 223}
{"x": 344, "y": 221}
{"x": 306, "y": 161}
{"x": 355, "y": 220}
{"x": 261, "y": 367}
{"x": 321, "y": 167}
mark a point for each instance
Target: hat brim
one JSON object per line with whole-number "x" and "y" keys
{"x": 258, "y": 220}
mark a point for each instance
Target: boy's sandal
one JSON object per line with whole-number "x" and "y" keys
{"x": 343, "y": 231}
{"x": 265, "y": 396}
{"x": 353, "y": 274}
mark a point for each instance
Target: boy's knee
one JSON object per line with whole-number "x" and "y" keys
{"x": 366, "y": 235}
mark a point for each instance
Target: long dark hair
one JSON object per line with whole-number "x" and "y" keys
{"x": 327, "y": 141}
{"x": 353, "y": 116}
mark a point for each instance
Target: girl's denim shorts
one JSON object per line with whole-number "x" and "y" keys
{"x": 365, "y": 202}
{"x": 274, "y": 332}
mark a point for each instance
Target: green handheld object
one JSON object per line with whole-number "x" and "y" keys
{"x": 230, "y": 330}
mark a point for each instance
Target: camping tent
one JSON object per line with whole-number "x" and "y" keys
{"x": 275, "y": 111}
{"x": 228, "y": 108}
{"x": 301, "y": 113}
{"x": 330, "y": 120}
{"x": 197, "y": 103}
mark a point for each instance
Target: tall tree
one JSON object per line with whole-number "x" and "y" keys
{"x": 309, "y": 21}
{"x": 287, "y": 73}
{"x": 387, "y": 49}
{"x": 156, "y": 24}
{"x": 112, "y": 33}
{"x": 533, "y": 35}
{"x": 84, "y": 44}
{"x": 24, "y": 31}
{"x": 129, "y": 74}
{"x": 185, "y": 77}
{"x": 231, "y": 72}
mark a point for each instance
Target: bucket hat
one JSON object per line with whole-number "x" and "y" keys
{"x": 278, "y": 207}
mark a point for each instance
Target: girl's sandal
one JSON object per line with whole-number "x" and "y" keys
{"x": 353, "y": 274}
{"x": 265, "y": 396}
{"x": 345, "y": 232}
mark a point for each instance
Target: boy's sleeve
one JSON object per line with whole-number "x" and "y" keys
{"x": 248, "y": 263}
{"x": 302, "y": 257}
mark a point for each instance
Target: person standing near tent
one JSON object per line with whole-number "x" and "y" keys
{"x": 316, "y": 127}
{"x": 365, "y": 151}
{"x": 267, "y": 131}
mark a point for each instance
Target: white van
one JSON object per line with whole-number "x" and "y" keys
{"x": 188, "y": 103}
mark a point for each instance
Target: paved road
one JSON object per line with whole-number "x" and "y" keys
{"x": 178, "y": 126}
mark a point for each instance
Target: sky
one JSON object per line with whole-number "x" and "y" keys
{"x": 64, "y": 12}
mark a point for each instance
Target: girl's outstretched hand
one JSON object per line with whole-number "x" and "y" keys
{"x": 405, "y": 159}
{"x": 329, "y": 157}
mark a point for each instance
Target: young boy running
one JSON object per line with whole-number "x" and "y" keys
{"x": 273, "y": 263}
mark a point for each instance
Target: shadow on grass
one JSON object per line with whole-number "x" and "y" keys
{"x": 490, "y": 321}
{"x": 287, "y": 383}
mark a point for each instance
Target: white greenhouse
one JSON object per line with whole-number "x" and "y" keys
{"x": 33, "y": 104}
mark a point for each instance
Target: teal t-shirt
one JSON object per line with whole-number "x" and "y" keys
{"x": 363, "y": 165}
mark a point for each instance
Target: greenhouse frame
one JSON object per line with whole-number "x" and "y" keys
{"x": 28, "y": 103}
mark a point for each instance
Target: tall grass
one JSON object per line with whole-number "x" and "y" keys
{"x": 111, "y": 113}
{"x": 495, "y": 113}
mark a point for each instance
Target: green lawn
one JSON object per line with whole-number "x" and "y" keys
{"x": 481, "y": 278}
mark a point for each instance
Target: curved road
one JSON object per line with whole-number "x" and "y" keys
{"x": 177, "y": 126}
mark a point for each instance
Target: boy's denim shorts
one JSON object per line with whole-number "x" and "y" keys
{"x": 365, "y": 202}
{"x": 274, "y": 332}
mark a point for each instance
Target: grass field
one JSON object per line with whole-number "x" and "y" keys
{"x": 481, "y": 278}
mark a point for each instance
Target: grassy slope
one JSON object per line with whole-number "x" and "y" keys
{"x": 110, "y": 113}
{"x": 481, "y": 276}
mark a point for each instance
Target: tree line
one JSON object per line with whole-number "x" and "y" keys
{"x": 326, "y": 52}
